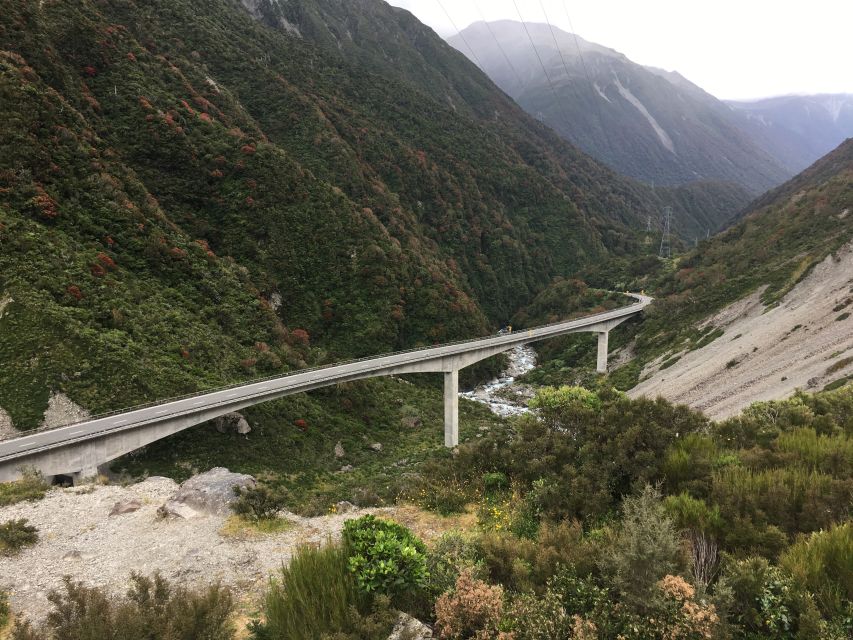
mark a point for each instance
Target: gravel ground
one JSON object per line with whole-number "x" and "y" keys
{"x": 79, "y": 538}
{"x": 765, "y": 355}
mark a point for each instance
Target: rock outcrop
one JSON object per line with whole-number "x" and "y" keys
{"x": 125, "y": 506}
{"x": 409, "y": 628}
{"x": 208, "y": 493}
{"x": 232, "y": 422}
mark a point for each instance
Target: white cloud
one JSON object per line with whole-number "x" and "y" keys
{"x": 731, "y": 48}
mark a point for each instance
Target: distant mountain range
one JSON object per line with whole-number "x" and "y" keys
{"x": 798, "y": 130}
{"x": 651, "y": 124}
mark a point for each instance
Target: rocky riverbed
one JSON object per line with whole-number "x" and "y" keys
{"x": 504, "y": 395}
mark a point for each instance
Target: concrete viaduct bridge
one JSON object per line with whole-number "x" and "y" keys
{"x": 78, "y": 449}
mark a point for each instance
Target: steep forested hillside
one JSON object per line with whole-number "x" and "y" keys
{"x": 193, "y": 192}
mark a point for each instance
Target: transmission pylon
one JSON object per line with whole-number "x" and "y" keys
{"x": 665, "y": 247}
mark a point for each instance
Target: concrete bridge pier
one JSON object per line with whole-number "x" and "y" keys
{"x": 451, "y": 408}
{"x": 603, "y": 339}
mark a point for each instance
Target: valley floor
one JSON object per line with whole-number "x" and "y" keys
{"x": 805, "y": 342}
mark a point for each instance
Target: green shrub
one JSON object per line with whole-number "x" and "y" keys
{"x": 4, "y": 609}
{"x": 763, "y": 600}
{"x": 495, "y": 482}
{"x": 559, "y": 407}
{"x": 448, "y": 557}
{"x": 385, "y": 557}
{"x": 314, "y": 595}
{"x": 645, "y": 549}
{"x": 30, "y": 487}
{"x": 258, "y": 502}
{"x": 823, "y": 563}
{"x": 508, "y": 559}
{"x": 15, "y": 535}
{"x": 152, "y": 610}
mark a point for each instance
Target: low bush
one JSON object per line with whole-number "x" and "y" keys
{"x": 448, "y": 557}
{"x": 4, "y": 610}
{"x": 31, "y": 486}
{"x": 644, "y": 549}
{"x": 314, "y": 595}
{"x": 258, "y": 502}
{"x": 823, "y": 563}
{"x": 472, "y": 610}
{"x": 384, "y": 557}
{"x": 152, "y": 610}
{"x": 764, "y": 601}
{"x": 15, "y": 535}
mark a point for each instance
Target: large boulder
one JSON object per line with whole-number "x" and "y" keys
{"x": 208, "y": 493}
{"x": 409, "y": 628}
{"x": 232, "y": 422}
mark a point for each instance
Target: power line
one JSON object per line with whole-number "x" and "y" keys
{"x": 554, "y": 38}
{"x": 536, "y": 51}
{"x": 585, "y": 71}
{"x": 497, "y": 42}
{"x": 459, "y": 33}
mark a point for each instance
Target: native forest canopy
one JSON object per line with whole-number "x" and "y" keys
{"x": 201, "y": 193}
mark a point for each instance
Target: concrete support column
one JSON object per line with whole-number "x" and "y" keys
{"x": 451, "y": 408}
{"x": 601, "y": 366}
{"x": 89, "y": 473}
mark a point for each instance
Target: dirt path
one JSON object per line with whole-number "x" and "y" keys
{"x": 766, "y": 355}
{"x": 79, "y": 538}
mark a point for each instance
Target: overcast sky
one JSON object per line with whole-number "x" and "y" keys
{"x": 734, "y": 49}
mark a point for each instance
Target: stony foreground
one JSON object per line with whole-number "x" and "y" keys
{"x": 79, "y": 538}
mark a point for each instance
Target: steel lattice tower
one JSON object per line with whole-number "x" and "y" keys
{"x": 665, "y": 247}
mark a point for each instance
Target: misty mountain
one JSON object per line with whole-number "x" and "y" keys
{"x": 799, "y": 129}
{"x": 647, "y": 123}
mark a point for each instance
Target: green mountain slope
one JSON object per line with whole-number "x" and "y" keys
{"x": 183, "y": 187}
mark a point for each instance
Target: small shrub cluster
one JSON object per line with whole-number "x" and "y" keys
{"x": 472, "y": 610}
{"x": 151, "y": 610}
{"x": 31, "y": 486}
{"x": 258, "y": 502}
{"x": 15, "y": 535}
{"x": 385, "y": 557}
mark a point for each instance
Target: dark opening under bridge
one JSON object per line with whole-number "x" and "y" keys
{"x": 78, "y": 449}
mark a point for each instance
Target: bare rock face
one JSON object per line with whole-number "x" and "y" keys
{"x": 62, "y": 410}
{"x": 125, "y": 506}
{"x": 409, "y": 628}
{"x": 339, "y": 450}
{"x": 208, "y": 493}
{"x": 376, "y": 446}
{"x": 232, "y": 421}
{"x": 7, "y": 429}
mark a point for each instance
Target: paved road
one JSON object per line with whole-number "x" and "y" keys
{"x": 304, "y": 379}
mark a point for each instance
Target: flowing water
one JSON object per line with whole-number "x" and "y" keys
{"x": 503, "y": 395}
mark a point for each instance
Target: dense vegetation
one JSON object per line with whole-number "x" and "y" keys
{"x": 597, "y": 517}
{"x": 182, "y": 208}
